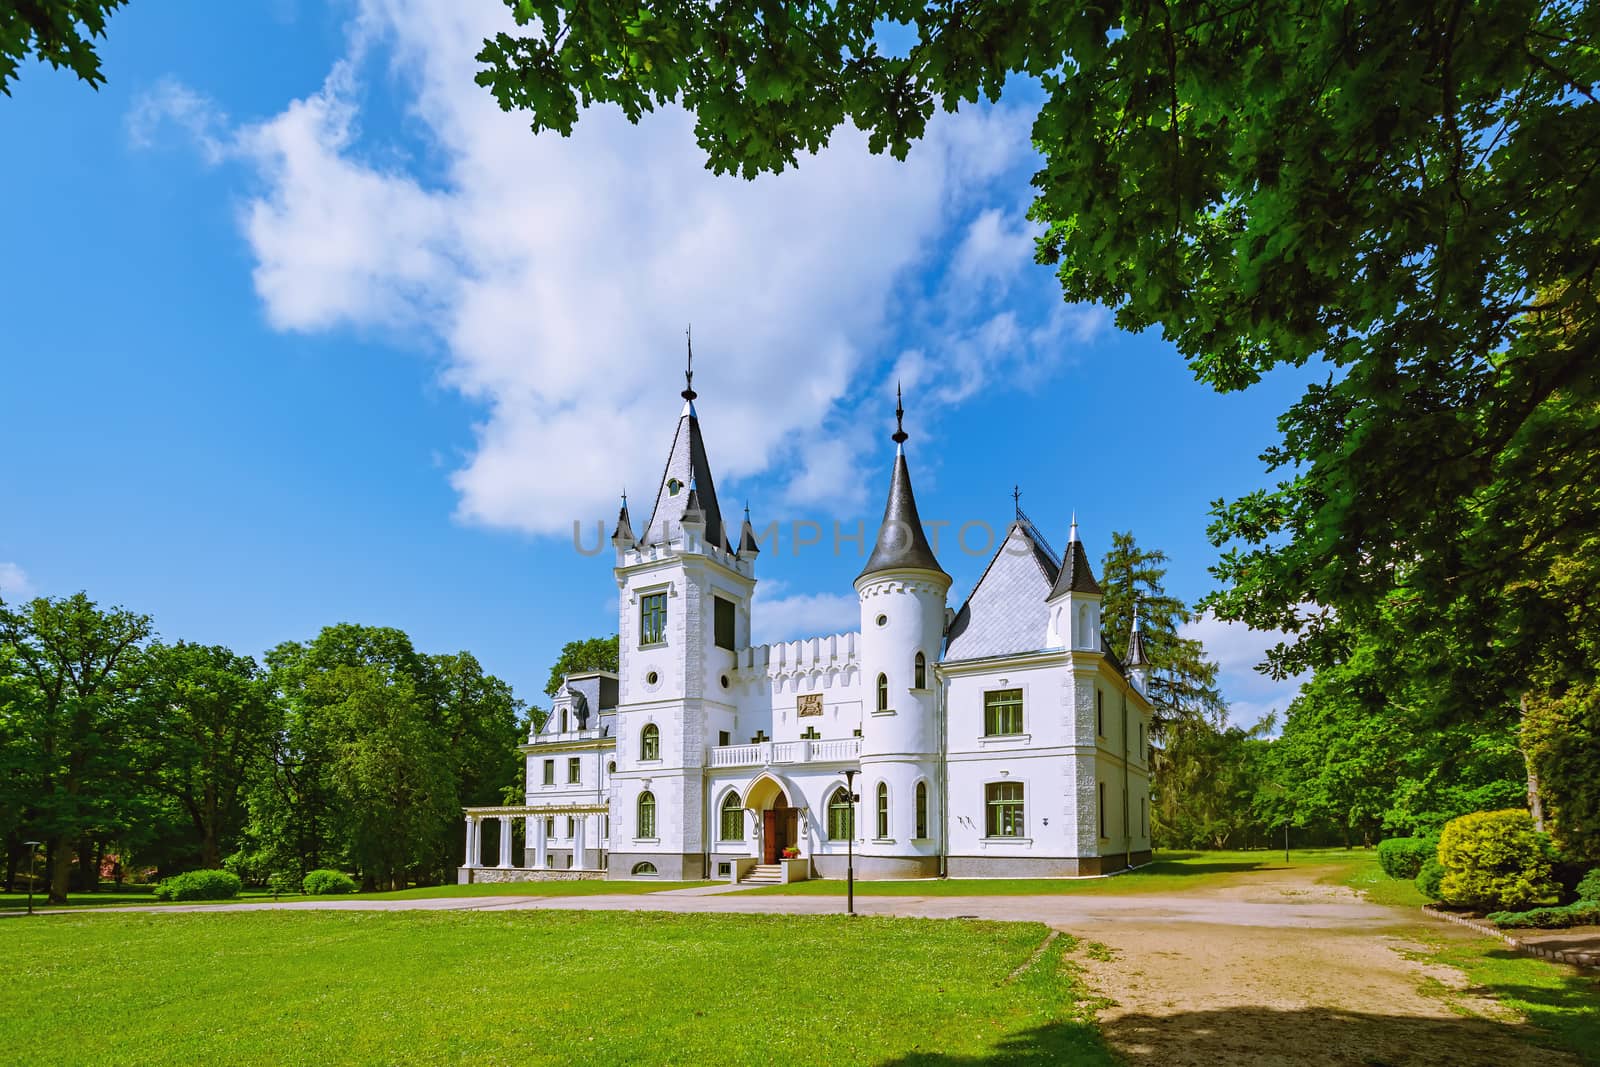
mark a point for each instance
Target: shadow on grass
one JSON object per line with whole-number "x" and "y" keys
{"x": 1252, "y": 1035}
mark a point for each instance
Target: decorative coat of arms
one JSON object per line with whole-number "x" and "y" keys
{"x": 808, "y": 704}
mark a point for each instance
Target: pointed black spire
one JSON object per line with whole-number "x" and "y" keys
{"x": 747, "y": 536}
{"x": 1076, "y": 575}
{"x": 688, "y": 372}
{"x": 692, "y": 512}
{"x": 901, "y": 542}
{"x": 623, "y": 534}
{"x": 1136, "y": 653}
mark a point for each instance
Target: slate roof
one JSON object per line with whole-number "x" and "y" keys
{"x": 1006, "y": 612}
{"x": 901, "y": 542}
{"x": 687, "y": 466}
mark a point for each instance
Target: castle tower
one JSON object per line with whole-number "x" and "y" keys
{"x": 902, "y": 592}
{"x": 1074, "y": 601}
{"x": 683, "y": 608}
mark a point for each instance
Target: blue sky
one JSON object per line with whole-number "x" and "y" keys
{"x": 300, "y": 329}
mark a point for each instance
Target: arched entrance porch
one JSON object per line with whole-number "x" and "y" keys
{"x": 777, "y": 821}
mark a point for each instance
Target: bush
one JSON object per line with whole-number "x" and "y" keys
{"x": 199, "y": 885}
{"x": 1496, "y": 859}
{"x": 1583, "y": 913}
{"x": 1428, "y": 879}
{"x": 1402, "y": 857}
{"x": 324, "y": 883}
{"x": 1589, "y": 887}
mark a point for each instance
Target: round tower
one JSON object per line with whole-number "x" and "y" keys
{"x": 902, "y": 592}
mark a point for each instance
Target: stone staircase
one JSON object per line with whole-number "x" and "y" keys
{"x": 764, "y": 874}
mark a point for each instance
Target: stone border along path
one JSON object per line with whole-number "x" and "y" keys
{"x": 1574, "y": 959}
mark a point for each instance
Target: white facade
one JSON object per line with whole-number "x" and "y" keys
{"x": 1002, "y": 739}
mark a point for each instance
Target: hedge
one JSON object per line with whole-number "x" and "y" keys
{"x": 1583, "y": 913}
{"x": 1589, "y": 887}
{"x": 199, "y": 885}
{"x": 325, "y": 882}
{"x": 1495, "y": 860}
{"x": 1402, "y": 857}
{"x": 1428, "y": 879}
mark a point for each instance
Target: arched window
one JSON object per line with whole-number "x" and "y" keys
{"x": 920, "y": 672}
{"x": 883, "y": 810}
{"x": 922, "y": 809}
{"x": 563, "y": 720}
{"x": 647, "y": 814}
{"x": 644, "y": 870}
{"x": 841, "y": 819}
{"x": 883, "y": 692}
{"x": 650, "y": 742}
{"x": 732, "y": 818}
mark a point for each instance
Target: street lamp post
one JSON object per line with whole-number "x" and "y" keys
{"x": 850, "y": 846}
{"x": 33, "y": 864}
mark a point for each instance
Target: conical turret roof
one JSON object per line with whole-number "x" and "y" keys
{"x": 901, "y": 543}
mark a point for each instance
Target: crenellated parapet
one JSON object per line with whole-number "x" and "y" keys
{"x": 808, "y": 663}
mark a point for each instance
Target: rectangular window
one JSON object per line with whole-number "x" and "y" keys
{"x": 1099, "y": 713}
{"x": 549, "y": 827}
{"x": 1002, "y": 712}
{"x": 574, "y": 770}
{"x": 1004, "y": 809}
{"x": 569, "y": 826}
{"x": 653, "y": 619}
{"x": 723, "y": 738}
{"x": 1102, "y": 809}
{"x": 883, "y": 812}
{"x": 722, "y": 623}
{"x": 549, "y": 772}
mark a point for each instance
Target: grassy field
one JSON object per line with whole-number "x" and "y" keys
{"x": 539, "y": 987}
{"x": 110, "y": 897}
{"x": 1170, "y": 872}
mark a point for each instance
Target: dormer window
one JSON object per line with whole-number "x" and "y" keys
{"x": 673, "y": 485}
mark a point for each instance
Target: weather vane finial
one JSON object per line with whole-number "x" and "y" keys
{"x": 900, "y": 434}
{"x": 688, "y": 371}
{"x": 1016, "y": 499}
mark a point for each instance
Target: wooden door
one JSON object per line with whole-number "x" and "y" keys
{"x": 769, "y": 836}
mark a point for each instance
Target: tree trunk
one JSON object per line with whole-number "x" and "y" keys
{"x": 1535, "y": 802}
{"x": 59, "y": 863}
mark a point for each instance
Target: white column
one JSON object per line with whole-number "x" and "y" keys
{"x": 469, "y": 857}
{"x": 541, "y": 844}
{"x": 527, "y": 840}
{"x": 577, "y": 841}
{"x": 505, "y": 840}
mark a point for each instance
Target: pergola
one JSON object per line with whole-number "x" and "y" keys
{"x": 533, "y": 830}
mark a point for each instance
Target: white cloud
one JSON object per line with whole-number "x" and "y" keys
{"x": 169, "y": 102}
{"x": 1237, "y": 650}
{"x": 557, "y": 274}
{"x": 776, "y": 617}
{"x": 14, "y": 582}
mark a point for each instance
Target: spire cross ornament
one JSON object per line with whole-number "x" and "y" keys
{"x": 900, "y": 434}
{"x": 1016, "y": 499}
{"x": 688, "y": 372}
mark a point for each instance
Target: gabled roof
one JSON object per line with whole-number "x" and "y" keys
{"x": 687, "y": 466}
{"x": 1006, "y": 613}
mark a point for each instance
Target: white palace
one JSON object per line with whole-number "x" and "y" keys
{"x": 1002, "y": 738}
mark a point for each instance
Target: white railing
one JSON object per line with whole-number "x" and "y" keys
{"x": 837, "y": 750}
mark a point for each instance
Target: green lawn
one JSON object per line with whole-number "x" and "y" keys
{"x": 142, "y": 894}
{"x": 1368, "y": 879}
{"x": 1170, "y": 872}
{"x": 538, "y": 987}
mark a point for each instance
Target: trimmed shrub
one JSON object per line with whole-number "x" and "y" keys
{"x": 1402, "y": 857}
{"x": 324, "y": 883}
{"x": 1495, "y": 860}
{"x": 1428, "y": 879}
{"x": 1583, "y": 913}
{"x": 199, "y": 885}
{"x": 1589, "y": 887}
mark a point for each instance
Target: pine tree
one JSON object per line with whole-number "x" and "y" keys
{"x": 1183, "y": 681}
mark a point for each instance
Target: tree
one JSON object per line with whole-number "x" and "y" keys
{"x": 1401, "y": 193}
{"x": 1183, "y": 682}
{"x": 60, "y": 32}
{"x": 78, "y": 664}
{"x": 208, "y": 717}
{"x": 587, "y": 654}
{"x": 1206, "y": 784}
